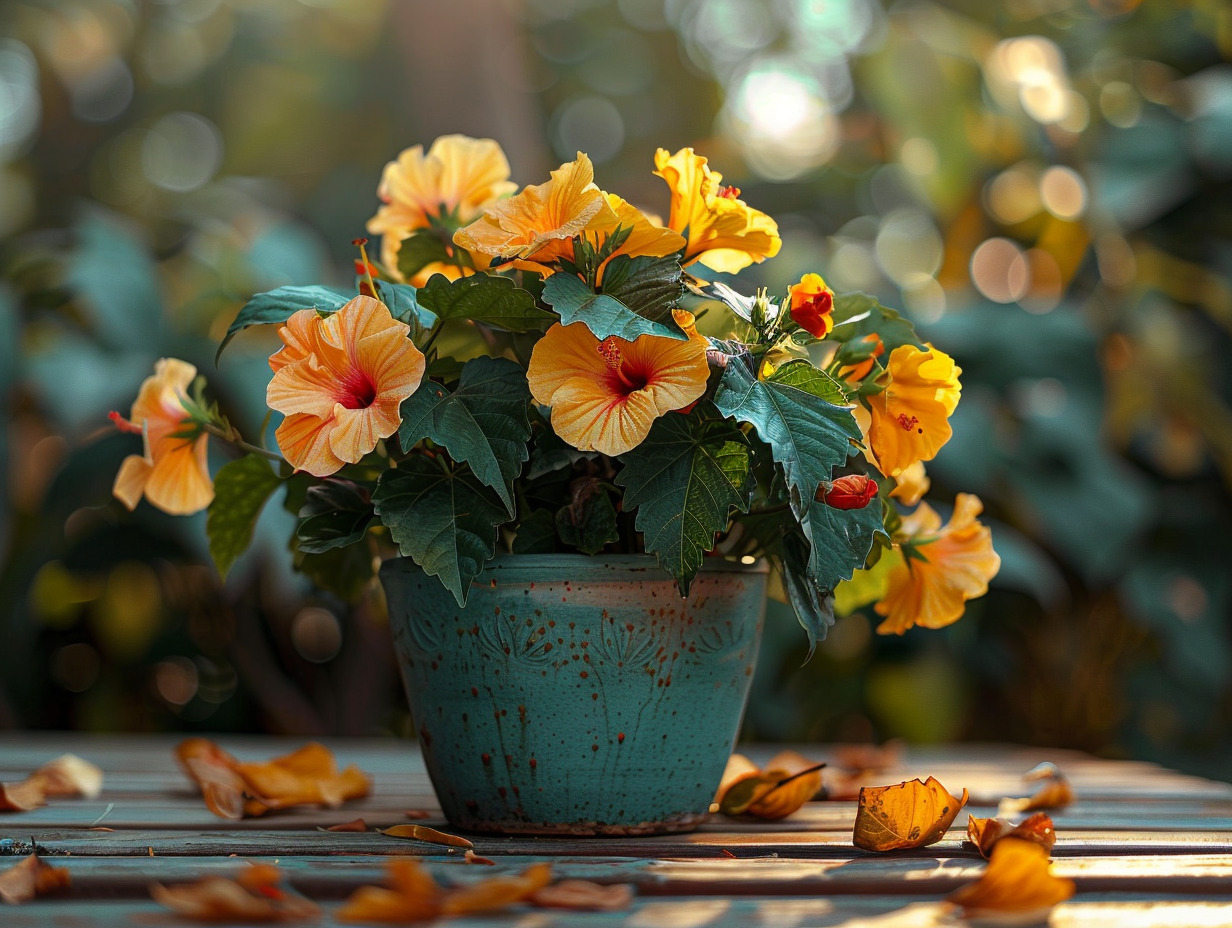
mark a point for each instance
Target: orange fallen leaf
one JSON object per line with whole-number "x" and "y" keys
{"x": 788, "y": 781}
{"x": 30, "y": 878}
{"x": 1016, "y": 882}
{"x": 472, "y": 858}
{"x": 414, "y": 896}
{"x": 911, "y": 814}
{"x": 1054, "y": 792}
{"x": 233, "y": 789}
{"x": 584, "y": 896}
{"x": 424, "y": 833}
{"x": 67, "y": 775}
{"x": 357, "y": 825}
{"x": 417, "y": 814}
{"x": 252, "y": 896}
{"x": 984, "y": 833}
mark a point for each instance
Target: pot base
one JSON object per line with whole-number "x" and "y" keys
{"x": 678, "y": 824}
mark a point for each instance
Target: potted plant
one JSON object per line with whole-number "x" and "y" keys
{"x": 578, "y": 460}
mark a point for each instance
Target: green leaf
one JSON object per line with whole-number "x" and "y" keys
{"x": 536, "y": 533}
{"x": 241, "y": 488}
{"x": 421, "y": 248}
{"x": 445, "y": 522}
{"x": 113, "y": 272}
{"x": 858, "y": 314}
{"x": 651, "y": 287}
{"x": 839, "y": 540}
{"x": 813, "y": 603}
{"x": 336, "y": 513}
{"x": 604, "y": 313}
{"x": 588, "y": 522}
{"x": 492, "y": 301}
{"x": 684, "y": 480}
{"x": 280, "y": 305}
{"x": 345, "y": 572}
{"x": 483, "y": 422}
{"x": 551, "y": 453}
{"x": 796, "y": 412}
{"x": 400, "y": 298}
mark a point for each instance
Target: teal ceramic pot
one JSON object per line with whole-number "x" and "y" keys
{"x": 577, "y": 695}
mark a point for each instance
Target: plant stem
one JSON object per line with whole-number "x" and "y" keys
{"x": 435, "y": 331}
{"x": 232, "y": 437}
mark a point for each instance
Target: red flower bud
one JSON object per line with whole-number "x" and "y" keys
{"x": 855, "y": 491}
{"x": 811, "y": 304}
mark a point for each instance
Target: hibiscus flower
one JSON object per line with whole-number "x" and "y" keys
{"x": 449, "y": 186}
{"x": 605, "y": 395}
{"x": 172, "y": 472}
{"x": 339, "y": 381}
{"x": 910, "y": 418}
{"x": 723, "y": 232}
{"x": 946, "y": 566}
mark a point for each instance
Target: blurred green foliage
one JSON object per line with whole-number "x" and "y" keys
{"x": 1043, "y": 185}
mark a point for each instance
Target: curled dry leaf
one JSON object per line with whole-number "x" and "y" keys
{"x": 30, "y": 878}
{"x": 67, "y": 775}
{"x": 233, "y": 789}
{"x": 986, "y": 832}
{"x": 788, "y": 781}
{"x": 585, "y": 896}
{"x": 431, "y": 835}
{"x": 911, "y": 814}
{"x": 1017, "y": 882}
{"x": 472, "y": 858}
{"x": 254, "y": 896}
{"x": 412, "y": 895}
{"x": 1054, "y": 792}
{"x": 356, "y": 825}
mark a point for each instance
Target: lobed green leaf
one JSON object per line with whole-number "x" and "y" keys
{"x": 491, "y": 301}
{"x": 276, "y": 306}
{"x": 241, "y": 488}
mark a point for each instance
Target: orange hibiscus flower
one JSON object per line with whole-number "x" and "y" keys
{"x": 605, "y": 395}
{"x": 541, "y": 215}
{"x": 948, "y": 565}
{"x": 451, "y": 185}
{"x": 724, "y": 233}
{"x": 812, "y": 303}
{"x": 910, "y": 418}
{"x": 339, "y": 381}
{"x": 172, "y": 473}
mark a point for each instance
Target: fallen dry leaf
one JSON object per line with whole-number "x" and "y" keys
{"x": 1054, "y": 792}
{"x": 1017, "y": 882}
{"x": 983, "y": 833}
{"x": 252, "y": 896}
{"x": 234, "y": 789}
{"x": 424, "y": 833}
{"x": 911, "y": 814}
{"x": 856, "y": 766}
{"x": 30, "y": 878}
{"x": 67, "y": 775}
{"x": 788, "y": 781}
{"x": 584, "y": 896}
{"x": 417, "y": 814}
{"x": 356, "y": 825}
{"x": 472, "y": 858}
{"x": 414, "y": 896}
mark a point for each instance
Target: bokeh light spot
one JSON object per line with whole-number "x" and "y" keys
{"x": 999, "y": 270}
{"x": 182, "y": 152}
{"x": 1063, "y": 192}
{"x": 175, "y": 679}
{"x": 316, "y": 634}
{"x": 591, "y": 124}
{"x": 75, "y": 666}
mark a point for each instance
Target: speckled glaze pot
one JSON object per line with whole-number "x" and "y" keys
{"x": 577, "y": 695}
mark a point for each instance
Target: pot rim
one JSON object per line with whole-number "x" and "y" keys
{"x": 632, "y": 566}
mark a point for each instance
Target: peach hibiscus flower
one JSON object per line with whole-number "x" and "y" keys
{"x": 910, "y": 418}
{"x": 339, "y": 381}
{"x": 724, "y": 233}
{"x": 605, "y": 395}
{"x": 946, "y": 566}
{"x": 172, "y": 472}
{"x": 450, "y": 186}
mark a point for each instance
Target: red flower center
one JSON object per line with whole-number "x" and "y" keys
{"x": 357, "y": 391}
{"x": 624, "y": 378}
{"x": 729, "y": 193}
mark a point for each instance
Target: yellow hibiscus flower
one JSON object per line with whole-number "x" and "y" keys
{"x": 911, "y": 485}
{"x": 339, "y": 381}
{"x": 954, "y": 564}
{"x": 451, "y": 185}
{"x": 723, "y": 232}
{"x": 541, "y": 215}
{"x": 910, "y": 418}
{"x": 172, "y": 472}
{"x": 605, "y": 395}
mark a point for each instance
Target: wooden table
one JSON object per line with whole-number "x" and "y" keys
{"x": 1146, "y": 846}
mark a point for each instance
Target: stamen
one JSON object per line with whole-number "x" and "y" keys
{"x": 123, "y": 424}
{"x": 610, "y": 352}
{"x": 907, "y": 423}
{"x": 729, "y": 192}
